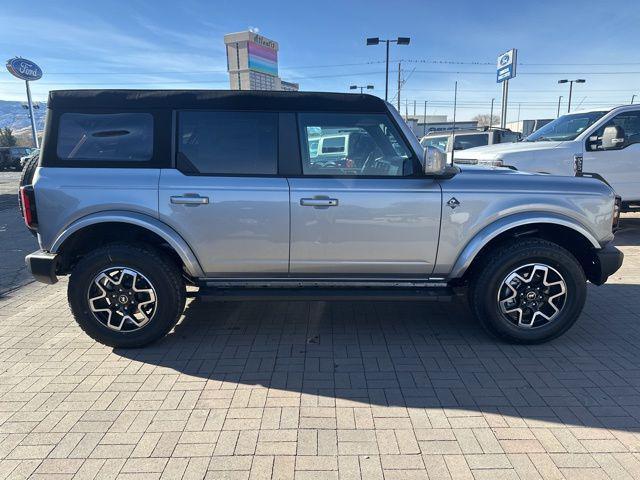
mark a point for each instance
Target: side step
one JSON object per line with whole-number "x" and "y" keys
{"x": 217, "y": 294}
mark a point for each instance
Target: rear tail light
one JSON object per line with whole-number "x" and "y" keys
{"x": 28, "y": 201}
{"x": 617, "y": 206}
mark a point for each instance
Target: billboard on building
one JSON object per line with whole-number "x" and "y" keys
{"x": 263, "y": 56}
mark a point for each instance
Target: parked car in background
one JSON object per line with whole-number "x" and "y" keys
{"x": 141, "y": 193}
{"x": 607, "y": 141}
{"x": 10, "y": 157}
{"x": 465, "y": 139}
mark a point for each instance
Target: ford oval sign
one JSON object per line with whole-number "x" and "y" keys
{"x": 24, "y": 69}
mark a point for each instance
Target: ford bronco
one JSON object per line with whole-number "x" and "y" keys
{"x": 145, "y": 197}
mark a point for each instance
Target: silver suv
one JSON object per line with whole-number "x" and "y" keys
{"x": 143, "y": 195}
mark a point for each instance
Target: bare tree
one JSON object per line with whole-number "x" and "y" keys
{"x": 484, "y": 120}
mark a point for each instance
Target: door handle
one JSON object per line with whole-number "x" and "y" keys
{"x": 319, "y": 202}
{"x": 189, "y": 199}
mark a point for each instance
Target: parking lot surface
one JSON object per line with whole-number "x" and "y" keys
{"x": 318, "y": 390}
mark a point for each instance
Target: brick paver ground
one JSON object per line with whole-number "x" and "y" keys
{"x": 317, "y": 390}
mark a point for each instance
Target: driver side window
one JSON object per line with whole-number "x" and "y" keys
{"x": 336, "y": 144}
{"x": 627, "y": 132}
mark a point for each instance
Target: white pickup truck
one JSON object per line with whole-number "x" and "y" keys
{"x": 607, "y": 140}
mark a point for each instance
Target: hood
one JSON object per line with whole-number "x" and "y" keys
{"x": 492, "y": 170}
{"x": 491, "y": 152}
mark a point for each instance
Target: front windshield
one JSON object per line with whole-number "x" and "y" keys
{"x": 566, "y": 127}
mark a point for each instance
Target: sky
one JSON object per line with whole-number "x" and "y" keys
{"x": 179, "y": 44}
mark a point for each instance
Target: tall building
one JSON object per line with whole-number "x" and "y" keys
{"x": 252, "y": 63}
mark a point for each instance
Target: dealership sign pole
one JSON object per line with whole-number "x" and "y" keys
{"x": 506, "y": 69}
{"x": 28, "y": 71}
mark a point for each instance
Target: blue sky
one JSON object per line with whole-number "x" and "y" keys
{"x": 178, "y": 44}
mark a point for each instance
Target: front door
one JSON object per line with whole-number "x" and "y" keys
{"x": 225, "y": 198}
{"x": 366, "y": 213}
{"x": 618, "y": 164}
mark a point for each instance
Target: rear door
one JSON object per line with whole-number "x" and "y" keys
{"x": 225, "y": 196}
{"x": 620, "y": 164}
{"x": 369, "y": 214}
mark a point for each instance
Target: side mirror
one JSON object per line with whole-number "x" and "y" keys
{"x": 435, "y": 161}
{"x": 612, "y": 137}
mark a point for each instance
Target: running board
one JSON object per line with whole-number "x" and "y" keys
{"x": 438, "y": 294}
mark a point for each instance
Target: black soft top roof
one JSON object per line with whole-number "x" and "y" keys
{"x": 215, "y": 99}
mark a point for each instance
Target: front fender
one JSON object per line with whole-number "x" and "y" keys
{"x": 502, "y": 225}
{"x": 154, "y": 225}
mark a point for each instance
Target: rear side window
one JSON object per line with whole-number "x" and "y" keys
{"x": 228, "y": 143}
{"x": 126, "y": 137}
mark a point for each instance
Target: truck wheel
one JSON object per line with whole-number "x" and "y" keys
{"x": 528, "y": 291}
{"x": 126, "y": 295}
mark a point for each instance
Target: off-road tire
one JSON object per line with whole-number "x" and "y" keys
{"x": 487, "y": 277}
{"x": 162, "y": 272}
{"x": 26, "y": 177}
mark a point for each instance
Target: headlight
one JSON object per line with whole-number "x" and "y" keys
{"x": 465, "y": 161}
{"x": 496, "y": 163}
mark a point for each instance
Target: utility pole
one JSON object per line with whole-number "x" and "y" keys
{"x": 424, "y": 125}
{"x": 559, "y": 100}
{"x": 414, "y": 108}
{"x": 519, "y": 105}
{"x": 491, "y": 114}
{"x": 406, "y": 108}
{"x": 399, "y": 85}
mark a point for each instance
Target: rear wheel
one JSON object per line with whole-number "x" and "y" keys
{"x": 528, "y": 291}
{"x": 125, "y": 295}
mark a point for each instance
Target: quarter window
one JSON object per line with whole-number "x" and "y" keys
{"x": 228, "y": 143}
{"x": 126, "y": 137}
{"x": 352, "y": 144}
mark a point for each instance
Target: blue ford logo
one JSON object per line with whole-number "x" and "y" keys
{"x": 24, "y": 69}
{"x": 504, "y": 60}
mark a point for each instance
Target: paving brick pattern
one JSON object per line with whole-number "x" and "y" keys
{"x": 317, "y": 390}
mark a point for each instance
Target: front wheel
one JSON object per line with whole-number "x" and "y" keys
{"x": 126, "y": 295}
{"x": 528, "y": 291}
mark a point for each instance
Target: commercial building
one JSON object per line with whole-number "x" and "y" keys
{"x": 252, "y": 63}
{"x": 435, "y": 123}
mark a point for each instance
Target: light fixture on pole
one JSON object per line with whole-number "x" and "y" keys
{"x": 571, "y": 82}
{"x": 361, "y": 87}
{"x": 376, "y": 41}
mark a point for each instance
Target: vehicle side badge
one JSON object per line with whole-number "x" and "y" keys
{"x": 453, "y": 202}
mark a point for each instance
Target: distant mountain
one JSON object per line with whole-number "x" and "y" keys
{"x": 15, "y": 116}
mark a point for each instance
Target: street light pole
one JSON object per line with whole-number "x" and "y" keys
{"x": 376, "y": 41}
{"x": 570, "y": 82}
{"x": 424, "y": 124}
{"x": 633, "y": 98}
{"x": 386, "y": 75}
{"x": 559, "y": 100}
{"x": 491, "y": 114}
